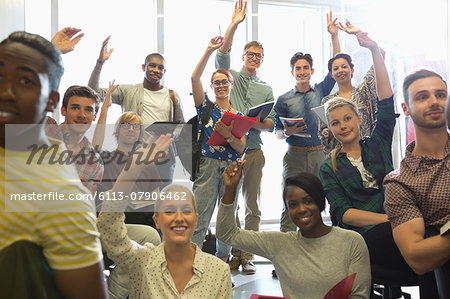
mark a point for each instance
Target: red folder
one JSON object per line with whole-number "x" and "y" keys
{"x": 256, "y": 296}
{"x": 241, "y": 126}
{"x": 342, "y": 289}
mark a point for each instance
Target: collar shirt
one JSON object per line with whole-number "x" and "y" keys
{"x": 147, "y": 265}
{"x": 344, "y": 188}
{"x": 247, "y": 91}
{"x": 296, "y": 104}
{"x": 88, "y": 162}
{"x": 420, "y": 188}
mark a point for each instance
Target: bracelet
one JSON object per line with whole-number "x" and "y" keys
{"x": 100, "y": 62}
{"x": 230, "y": 139}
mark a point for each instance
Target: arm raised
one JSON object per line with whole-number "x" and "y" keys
{"x": 197, "y": 87}
{"x": 237, "y": 18}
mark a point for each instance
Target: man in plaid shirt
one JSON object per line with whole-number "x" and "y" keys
{"x": 80, "y": 107}
{"x": 417, "y": 198}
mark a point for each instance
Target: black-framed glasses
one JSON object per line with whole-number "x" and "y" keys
{"x": 128, "y": 126}
{"x": 224, "y": 83}
{"x": 253, "y": 54}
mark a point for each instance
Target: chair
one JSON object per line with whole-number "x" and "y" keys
{"x": 392, "y": 280}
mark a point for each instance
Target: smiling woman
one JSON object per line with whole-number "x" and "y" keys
{"x": 174, "y": 269}
{"x": 317, "y": 255}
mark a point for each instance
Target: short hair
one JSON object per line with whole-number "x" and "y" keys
{"x": 419, "y": 74}
{"x": 81, "y": 91}
{"x": 225, "y": 72}
{"x": 343, "y": 56}
{"x": 300, "y": 55}
{"x": 154, "y": 55}
{"x": 310, "y": 183}
{"x": 46, "y": 48}
{"x": 125, "y": 119}
{"x": 171, "y": 189}
{"x": 255, "y": 44}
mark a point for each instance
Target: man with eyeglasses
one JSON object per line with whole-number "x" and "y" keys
{"x": 304, "y": 154}
{"x": 152, "y": 101}
{"x": 248, "y": 91}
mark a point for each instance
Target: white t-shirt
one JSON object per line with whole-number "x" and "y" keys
{"x": 368, "y": 179}
{"x": 157, "y": 106}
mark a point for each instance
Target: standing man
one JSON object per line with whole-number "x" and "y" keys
{"x": 248, "y": 91}
{"x": 150, "y": 100}
{"x": 304, "y": 153}
{"x": 417, "y": 197}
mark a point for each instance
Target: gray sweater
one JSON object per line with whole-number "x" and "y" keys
{"x": 306, "y": 267}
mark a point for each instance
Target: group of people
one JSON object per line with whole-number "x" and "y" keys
{"x": 380, "y": 215}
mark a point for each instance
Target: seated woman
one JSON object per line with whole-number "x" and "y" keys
{"x": 352, "y": 177}
{"x": 364, "y": 95}
{"x": 308, "y": 262}
{"x": 176, "y": 268}
{"x": 209, "y": 186}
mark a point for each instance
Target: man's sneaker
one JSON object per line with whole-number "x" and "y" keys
{"x": 234, "y": 263}
{"x": 248, "y": 267}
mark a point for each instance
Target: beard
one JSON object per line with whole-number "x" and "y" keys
{"x": 428, "y": 124}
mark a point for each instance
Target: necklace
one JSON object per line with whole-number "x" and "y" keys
{"x": 220, "y": 108}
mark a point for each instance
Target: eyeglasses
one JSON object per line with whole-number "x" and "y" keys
{"x": 224, "y": 83}
{"x": 128, "y": 126}
{"x": 252, "y": 54}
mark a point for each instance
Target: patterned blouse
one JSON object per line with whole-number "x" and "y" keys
{"x": 365, "y": 96}
{"x": 224, "y": 153}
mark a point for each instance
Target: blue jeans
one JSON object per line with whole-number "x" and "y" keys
{"x": 208, "y": 190}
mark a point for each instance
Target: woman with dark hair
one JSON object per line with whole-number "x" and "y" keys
{"x": 308, "y": 262}
{"x": 341, "y": 68}
{"x": 209, "y": 185}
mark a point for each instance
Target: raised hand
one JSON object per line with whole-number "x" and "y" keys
{"x": 349, "y": 28}
{"x": 239, "y": 12}
{"x": 332, "y": 25}
{"x": 215, "y": 43}
{"x": 365, "y": 41}
{"x": 233, "y": 173}
{"x": 66, "y": 40}
{"x": 104, "y": 53}
{"x": 150, "y": 152}
{"x": 108, "y": 98}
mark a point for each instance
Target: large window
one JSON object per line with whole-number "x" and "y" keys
{"x": 412, "y": 33}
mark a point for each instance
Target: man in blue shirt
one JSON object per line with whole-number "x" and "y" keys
{"x": 304, "y": 153}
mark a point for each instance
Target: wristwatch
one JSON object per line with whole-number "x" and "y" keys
{"x": 230, "y": 139}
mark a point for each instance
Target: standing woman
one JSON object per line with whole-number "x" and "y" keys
{"x": 364, "y": 95}
{"x": 352, "y": 177}
{"x": 209, "y": 185}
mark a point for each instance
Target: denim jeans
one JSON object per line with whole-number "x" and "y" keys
{"x": 208, "y": 190}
